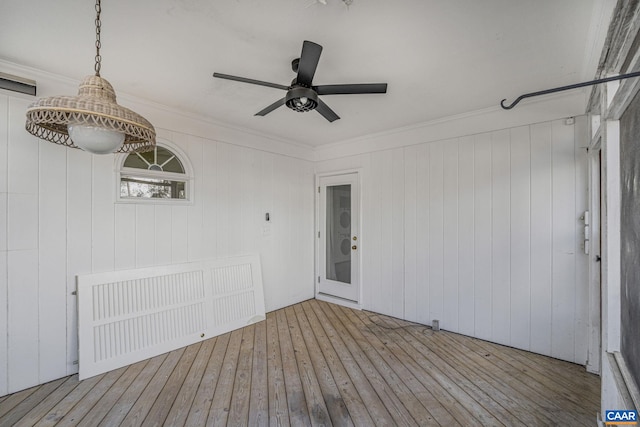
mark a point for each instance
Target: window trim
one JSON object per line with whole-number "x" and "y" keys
{"x": 187, "y": 178}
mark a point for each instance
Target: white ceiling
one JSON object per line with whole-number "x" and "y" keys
{"x": 439, "y": 57}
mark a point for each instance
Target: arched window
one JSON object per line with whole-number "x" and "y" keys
{"x": 161, "y": 174}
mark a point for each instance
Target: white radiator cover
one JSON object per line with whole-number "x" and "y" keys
{"x": 132, "y": 315}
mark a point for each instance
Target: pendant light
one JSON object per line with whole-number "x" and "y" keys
{"x": 92, "y": 120}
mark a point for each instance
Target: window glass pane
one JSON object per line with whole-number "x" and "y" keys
{"x": 159, "y": 159}
{"x": 339, "y": 233}
{"x": 148, "y": 188}
{"x": 133, "y": 161}
{"x": 173, "y": 165}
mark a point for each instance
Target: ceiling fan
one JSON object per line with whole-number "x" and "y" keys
{"x": 301, "y": 95}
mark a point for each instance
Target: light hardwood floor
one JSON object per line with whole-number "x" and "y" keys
{"x": 316, "y": 363}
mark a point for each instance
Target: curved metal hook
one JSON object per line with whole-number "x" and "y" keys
{"x": 573, "y": 86}
{"x": 513, "y": 104}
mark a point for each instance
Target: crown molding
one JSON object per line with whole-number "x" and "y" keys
{"x": 166, "y": 117}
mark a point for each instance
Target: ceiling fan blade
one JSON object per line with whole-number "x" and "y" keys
{"x": 308, "y": 62}
{"x": 252, "y": 81}
{"x": 326, "y": 112}
{"x": 270, "y": 108}
{"x": 349, "y": 89}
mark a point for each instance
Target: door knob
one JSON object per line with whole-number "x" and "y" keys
{"x": 354, "y": 247}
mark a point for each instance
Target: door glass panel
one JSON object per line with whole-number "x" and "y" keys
{"x": 338, "y": 254}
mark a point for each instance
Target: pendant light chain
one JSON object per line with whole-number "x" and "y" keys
{"x": 98, "y": 45}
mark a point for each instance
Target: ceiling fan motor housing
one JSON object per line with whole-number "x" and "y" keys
{"x": 301, "y": 99}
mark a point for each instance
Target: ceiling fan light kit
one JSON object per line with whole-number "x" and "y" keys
{"x": 301, "y": 99}
{"x": 92, "y": 120}
{"x": 301, "y": 95}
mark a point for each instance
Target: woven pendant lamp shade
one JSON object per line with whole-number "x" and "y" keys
{"x": 95, "y": 105}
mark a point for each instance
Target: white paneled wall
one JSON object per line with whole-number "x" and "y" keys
{"x": 58, "y": 219}
{"x": 481, "y": 232}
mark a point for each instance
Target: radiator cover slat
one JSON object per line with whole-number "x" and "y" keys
{"x": 128, "y": 316}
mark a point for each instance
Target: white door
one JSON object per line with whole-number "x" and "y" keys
{"x": 339, "y": 241}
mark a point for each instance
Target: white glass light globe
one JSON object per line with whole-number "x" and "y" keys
{"x": 95, "y": 140}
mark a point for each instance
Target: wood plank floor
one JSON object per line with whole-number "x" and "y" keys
{"x": 316, "y": 363}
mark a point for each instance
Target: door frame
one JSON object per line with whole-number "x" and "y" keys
{"x": 318, "y": 239}
{"x": 595, "y": 207}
